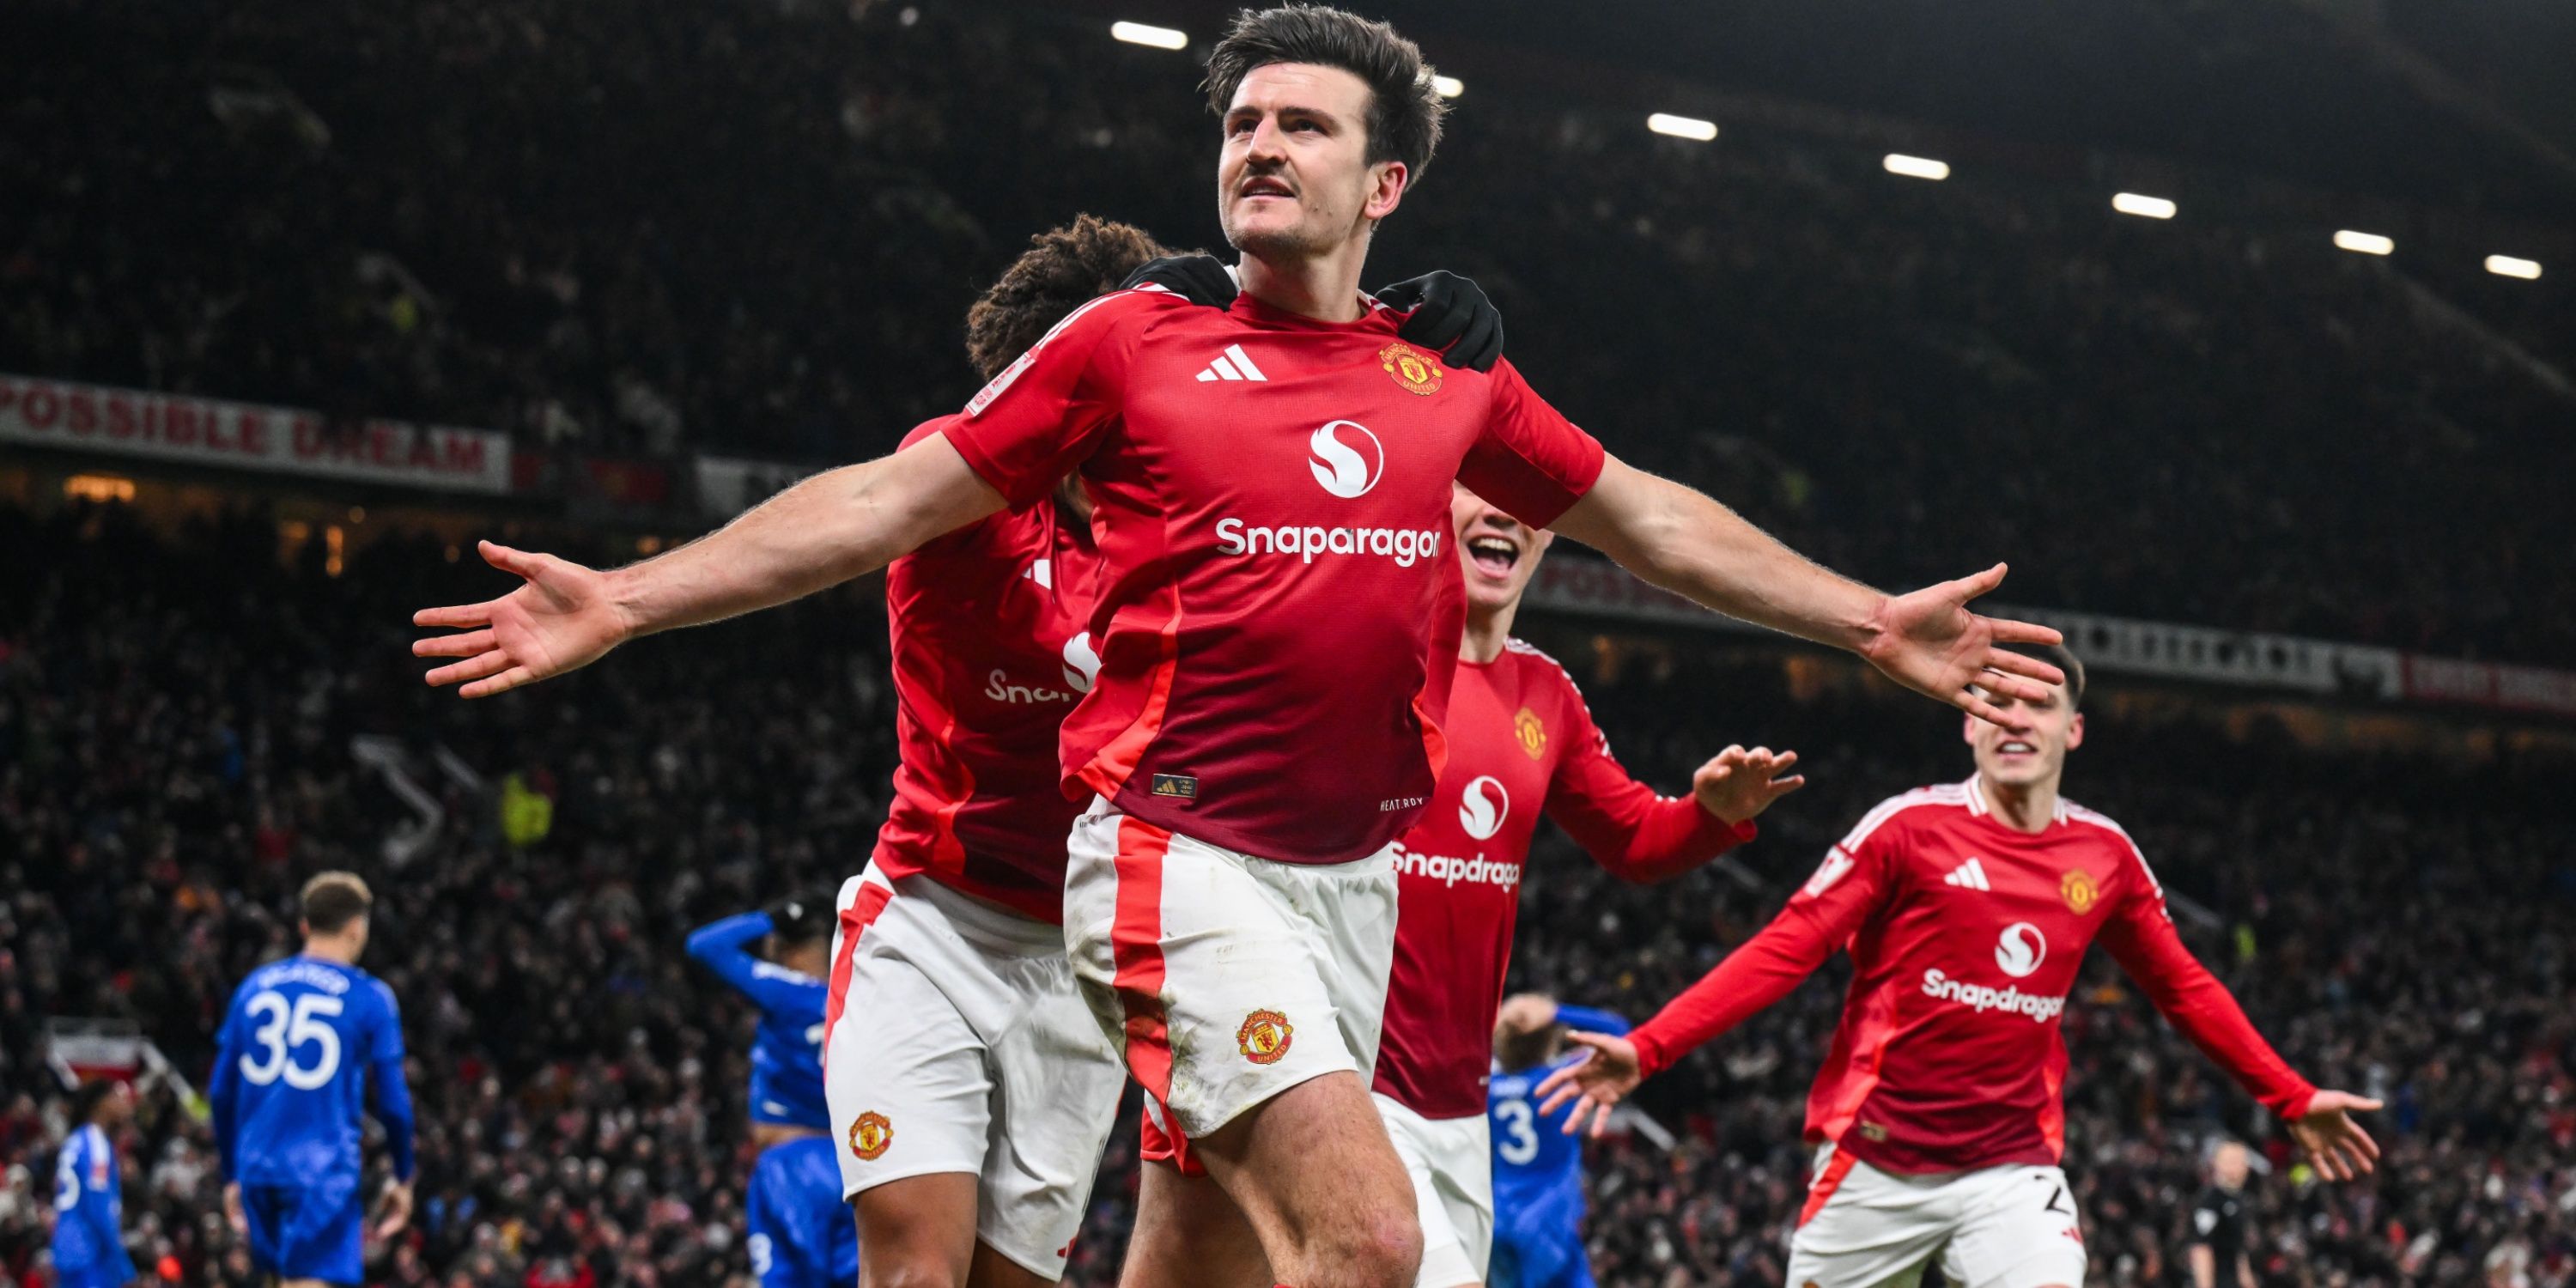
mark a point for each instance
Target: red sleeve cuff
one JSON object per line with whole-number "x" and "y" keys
{"x": 1652, "y": 1058}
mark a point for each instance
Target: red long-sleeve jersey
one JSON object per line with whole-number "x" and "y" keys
{"x": 1521, "y": 743}
{"x": 1965, "y": 935}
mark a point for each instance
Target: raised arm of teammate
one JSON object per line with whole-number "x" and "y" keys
{"x": 1637, "y": 835}
{"x": 823, "y": 531}
{"x": 1683, "y": 541}
{"x": 1819, "y": 919}
{"x": 2141, "y": 937}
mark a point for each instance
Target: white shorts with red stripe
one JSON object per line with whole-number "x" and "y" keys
{"x": 1227, "y": 979}
{"x": 955, "y": 1040}
{"x": 1995, "y": 1227}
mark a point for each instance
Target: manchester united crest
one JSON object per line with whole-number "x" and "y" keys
{"x": 870, "y": 1135}
{"x": 1264, "y": 1037}
{"x": 2081, "y": 894}
{"x": 1417, "y": 372}
{"x": 1531, "y": 731}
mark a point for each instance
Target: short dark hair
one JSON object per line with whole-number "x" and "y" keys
{"x": 2064, "y": 659}
{"x": 1404, "y": 110}
{"x": 1061, "y": 269}
{"x": 334, "y": 899}
{"x": 86, "y": 1098}
{"x": 1528, "y": 1049}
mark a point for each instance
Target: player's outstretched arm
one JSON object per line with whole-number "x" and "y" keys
{"x": 2142, "y": 938}
{"x": 1686, "y": 542}
{"x": 823, "y": 531}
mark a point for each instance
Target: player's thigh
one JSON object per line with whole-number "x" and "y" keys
{"x": 1190, "y": 1234}
{"x": 917, "y": 1231}
{"x": 2017, "y": 1228}
{"x": 1864, "y": 1228}
{"x": 1057, "y": 1080}
{"x": 1313, "y": 1170}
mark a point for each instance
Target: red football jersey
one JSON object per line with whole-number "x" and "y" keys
{"x": 1276, "y": 616}
{"x": 1965, "y": 935}
{"x": 990, "y": 652}
{"x": 1521, "y": 743}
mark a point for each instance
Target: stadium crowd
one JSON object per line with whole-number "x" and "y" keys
{"x": 177, "y": 714}
{"x": 640, "y": 230}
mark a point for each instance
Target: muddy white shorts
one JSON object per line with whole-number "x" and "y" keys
{"x": 1451, "y": 1161}
{"x": 1996, "y": 1227}
{"x": 956, "y": 1041}
{"x": 1225, "y": 979}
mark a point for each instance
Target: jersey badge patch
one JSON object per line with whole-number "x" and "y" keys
{"x": 1264, "y": 1037}
{"x": 1531, "y": 731}
{"x": 870, "y": 1135}
{"x": 2079, "y": 891}
{"x": 1414, "y": 371}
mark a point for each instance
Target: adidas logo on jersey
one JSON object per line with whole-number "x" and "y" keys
{"x": 1971, "y": 874}
{"x": 1233, "y": 364}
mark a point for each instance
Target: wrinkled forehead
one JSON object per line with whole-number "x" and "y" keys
{"x": 1311, "y": 87}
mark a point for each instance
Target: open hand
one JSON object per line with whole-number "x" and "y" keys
{"x": 562, "y": 618}
{"x": 2334, "y": 1142}
{"x": 1601, "y": 1079}
{"x": 397, "y": 1210}
{"x": 1929, "y": 642}
{"x": 1737, "y": 784}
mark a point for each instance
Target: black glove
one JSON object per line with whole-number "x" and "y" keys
{"x": 1200, "y": 279}
{"x": 1450, "y": 314}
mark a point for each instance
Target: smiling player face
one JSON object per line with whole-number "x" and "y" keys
{"x": 1496, "y": 552}
{"x": 2033, "y": 753}
{"x": 1293, "y": 179}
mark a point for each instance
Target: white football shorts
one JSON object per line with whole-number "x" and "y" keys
{"x": 957, "y": 1041}
{"x": 1225, "y": 979}
{"x": 1451, "y": 1162}
{"x": 1995, "y": 1227}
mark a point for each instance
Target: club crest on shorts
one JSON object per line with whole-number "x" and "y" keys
{"x": 2080, "y": 892}
{"x": 870, "y": 1135}
{"x": 1264, "y": 1036}
{"x": 1415, "y": 372}
{"x": 1531, "y": 731}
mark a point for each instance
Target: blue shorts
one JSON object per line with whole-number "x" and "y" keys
{"x": 91, "y": 1277}
{"x": 801, "y": 1232}
{"x": 307, "y": 1232}
{"x": 1541, "y": 1245}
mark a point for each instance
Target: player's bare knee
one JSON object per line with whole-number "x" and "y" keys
{"x": 906, "y": 1271}
{"x": 1372, "y": 1247}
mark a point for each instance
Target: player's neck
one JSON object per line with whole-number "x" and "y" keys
{"x": 1482, "y": 641}
{"x": 2030, "y": 807}
{"x": 332, "y": 948}
{"x": 1324, "y": 287}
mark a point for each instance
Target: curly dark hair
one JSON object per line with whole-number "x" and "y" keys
{"x": 1062, "y": 268}
{"x": 1404, "y": 111}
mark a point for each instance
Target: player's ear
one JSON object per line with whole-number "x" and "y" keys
{"x": 1387, "y": 182}
{"x": 2075, "y": 732}
{"x": 1968, "y": 730}
{"x": 1546, "y": 538}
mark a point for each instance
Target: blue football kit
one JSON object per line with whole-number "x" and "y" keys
{"x": 89, "y": 1202}
{"x": 787, "y": 1048}
{"x": 1538, "y": 1173}
{"x": 302, "y": 1044}
{"x": 802, "y": 1232}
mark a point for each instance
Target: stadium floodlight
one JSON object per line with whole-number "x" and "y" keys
{"x": 2130, "y": 203}
{"x": 1448, "y": 86}
{"x": 1137, "y": 33}
{"x": 2509, "y": 266}
{"x": 1916, "y": 167}
{"x": 1682, "y": 127}
{"x": 2362, "y": 243}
